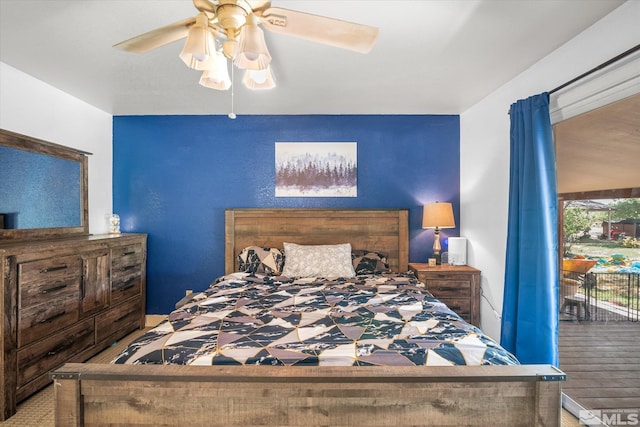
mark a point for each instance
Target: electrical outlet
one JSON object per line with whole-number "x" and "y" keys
{"x": 188, "y": 292}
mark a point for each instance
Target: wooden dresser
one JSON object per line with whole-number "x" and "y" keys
{"x": 458, "y": 286}
{"x": 64, "y": 300}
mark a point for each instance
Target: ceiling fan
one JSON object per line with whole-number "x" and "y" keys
{"x": 230, "y": 29}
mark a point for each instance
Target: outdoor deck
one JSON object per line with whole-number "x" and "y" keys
{"x": 602, "y": 363}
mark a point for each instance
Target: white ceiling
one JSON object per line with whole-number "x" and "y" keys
{"x": 432, "y": 57}
{"x": 600, "y": 149}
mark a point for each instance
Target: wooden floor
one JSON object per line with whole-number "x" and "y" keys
{"x": 602, "y": 362}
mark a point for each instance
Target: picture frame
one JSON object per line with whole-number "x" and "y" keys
{"x": 316, "y": 169}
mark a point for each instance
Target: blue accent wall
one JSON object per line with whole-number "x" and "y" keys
{"x": 173, "y": 177}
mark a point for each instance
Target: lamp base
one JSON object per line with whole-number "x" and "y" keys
{"x": 437, "y": 247}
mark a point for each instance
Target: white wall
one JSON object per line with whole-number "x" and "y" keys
{"x": 484, "y": 145}
{"x": 31, "y": 107}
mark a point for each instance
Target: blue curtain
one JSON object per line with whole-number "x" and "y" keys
{"x": 530, "y": 305}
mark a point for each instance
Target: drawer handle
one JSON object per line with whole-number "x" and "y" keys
{"x": 55, "y": 316}
{"x": 447, "y": 288}
{"x": 59, "y": 348}
{"x": 124, "y": 316}
{"x": 53, "y": 289}
{"x": 126, "y": 288}
{"x": 129, "y": 253}
{"x": 56, "y": 268}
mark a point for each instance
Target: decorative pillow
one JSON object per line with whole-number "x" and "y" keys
{"x": 255, "y": 259}
{"x": 318, "y": 260}
{"x": 369, "y": 262}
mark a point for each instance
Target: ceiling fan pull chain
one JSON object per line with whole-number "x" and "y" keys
{"x": 232, "y": 115}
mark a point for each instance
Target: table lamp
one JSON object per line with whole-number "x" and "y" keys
{"x": 437, "y": 215}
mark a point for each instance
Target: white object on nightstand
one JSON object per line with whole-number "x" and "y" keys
{"x": 457, "y": 250}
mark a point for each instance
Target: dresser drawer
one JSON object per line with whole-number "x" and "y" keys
{"x": 40, "y": 358}
{"x": 126, "y": 288}
{"x": 126, "y": 272}
{"x": 39, "y": 321}
{"x": 49, "y": 269}
{"x": 45, "y": 280}
{"x": 428, "y": 276}
{"x": 49, "y": 296}
{"x": 119, "y": 320}
{"x": 125, "y": 258}
{"x": 449, "y": 288}
{"x": 461, "y": 306}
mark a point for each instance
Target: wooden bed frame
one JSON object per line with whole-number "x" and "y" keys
{"x": 123, "y": 395}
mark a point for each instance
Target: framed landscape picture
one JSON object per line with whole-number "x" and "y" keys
{"x": 316, "y": 169}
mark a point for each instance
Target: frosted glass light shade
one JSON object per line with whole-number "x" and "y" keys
{"x": 251, "y": 52}
{"x": 217, "y": 77}
{"x": 200, "y": 44}
{"x": 259, "y": 79}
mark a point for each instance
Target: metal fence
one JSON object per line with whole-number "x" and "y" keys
{"x": 600, "y": 296}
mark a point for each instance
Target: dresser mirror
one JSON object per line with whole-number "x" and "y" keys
{"x": 43, "y": 189}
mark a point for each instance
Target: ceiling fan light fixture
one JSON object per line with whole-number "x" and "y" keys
{"x": 217, "y": 77}
{"x": 200, "y": 44}
{"x": 229, "y": 48}
{"x": 259, "y": 79}
{"x": 251, "y": 51}
{"x": 236, "y": 26}
{"x": 232, "y": 14}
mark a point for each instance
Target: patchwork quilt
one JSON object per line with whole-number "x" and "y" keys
{"x": 381, "y": 319}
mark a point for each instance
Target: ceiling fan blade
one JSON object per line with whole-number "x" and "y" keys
{"x": 258, "y": 6}
{"x": 156, "y": 38}
{"x": 320, "y": 29}
{"x": 204, "y": 6}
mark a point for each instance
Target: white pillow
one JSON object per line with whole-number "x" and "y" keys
{"x": 318, "y": 260}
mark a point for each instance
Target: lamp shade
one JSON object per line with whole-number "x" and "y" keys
{"x": 259, "y": 79}
{"x": 217, "y": 77}
{"x": 438, "y": 215}
{"x": 200, "y": 44}
{"x": 251, "y": 52}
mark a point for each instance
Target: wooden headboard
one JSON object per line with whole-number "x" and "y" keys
{"x": 384, "y": 230}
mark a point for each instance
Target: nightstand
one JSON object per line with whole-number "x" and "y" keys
{"x": 458, "y": 286}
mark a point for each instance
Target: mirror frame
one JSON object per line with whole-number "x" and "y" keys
{"x": 27, "y": 143}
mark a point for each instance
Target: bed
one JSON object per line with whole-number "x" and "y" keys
{"x": 355, "y": 380}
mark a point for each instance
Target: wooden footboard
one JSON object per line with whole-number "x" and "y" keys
{"x": 124, "y": 395}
